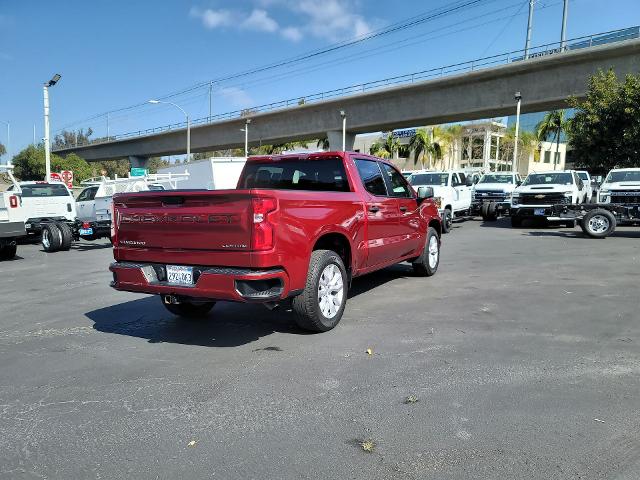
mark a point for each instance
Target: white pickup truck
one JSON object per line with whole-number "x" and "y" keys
{"x": 492, "y": 194}
{"x": 540, "y": 192}
{"x": 451, "y": 192}
{"x": 11, "y": 217}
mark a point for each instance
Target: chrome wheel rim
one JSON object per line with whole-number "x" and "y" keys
{"x": 598, "y": 224}
{"x": 46, "y": 242}
{"x": 330, "y": 290}
{"x": 434, "y": 251}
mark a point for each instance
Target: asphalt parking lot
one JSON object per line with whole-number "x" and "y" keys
{"x": 521, "y": 356}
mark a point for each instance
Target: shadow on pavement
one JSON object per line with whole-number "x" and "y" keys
{"x": 228, "y": 324}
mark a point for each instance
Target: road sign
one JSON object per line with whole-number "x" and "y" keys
{"x": 67, "y": 177}
{"x": 55, "y": 177}
{"x": 138, "y": 172}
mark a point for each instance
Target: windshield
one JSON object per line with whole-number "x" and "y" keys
{"x": 622, "y": 176}
{"x": 496, "y": 179}
{"x": 429, "y": 179}
{"x": 549, "y": 179}
{"x": 44, "y": 190}
{"x": 583, "y": 175}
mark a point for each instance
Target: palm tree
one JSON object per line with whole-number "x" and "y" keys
{"x": 422, "y": 143}
{"x": 452, "y": 136}
{"x": 553, "y": 125}
{"x": 323, "y": 143}
{"x": 386, "y": 148}
{"x": 527, "y": 144}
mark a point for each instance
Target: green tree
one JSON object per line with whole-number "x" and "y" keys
{"x": 451, "y": 137}
{"x": 30, "y": 164}
{"x": 385, "y": 148}
{"x": 527, "y": 145}
{"x": 423, "y": 143}
{"x": 156, "y": 163}
{"x": 71, "y": 138}
{"x": 553, "y": 125}
{"x": 323, "y": 143}
{"x": 605, "y": 130}
{"x": 3, "y": 150}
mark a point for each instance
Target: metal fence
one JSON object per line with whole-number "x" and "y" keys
{"x": 407, "y": 79}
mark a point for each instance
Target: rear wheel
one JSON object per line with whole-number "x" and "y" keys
{"x": 320, "y": 306}
{"x": 598, "y": 223}
{"x": 7, "y": 252}
{"x": 187, "y": 309}
{"x": 51, "y": 238}
{"x": 483, "y": 211}
{"x": 447, "y": 221}
{"x": 492, "y": 212}
{"x": 426, "y": 264}
{"x": 67, "y": 235}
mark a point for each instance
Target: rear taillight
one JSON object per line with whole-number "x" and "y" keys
{"x": 262, "y": 238}
{"x": 86, "y": 225}
{"x": 13, "y": 201}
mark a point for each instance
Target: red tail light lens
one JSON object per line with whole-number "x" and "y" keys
{"x": 86, "y": 225}
{"x": 262, "y": 238}
{"x": 13, "y": 201}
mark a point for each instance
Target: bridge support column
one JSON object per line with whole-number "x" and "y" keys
{"x": 335, "y": 140}
{"x": 138, "y": 162}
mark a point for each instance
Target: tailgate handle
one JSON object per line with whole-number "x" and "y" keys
{"x": 374, "y": 209}
{"x": 403, "y": 208}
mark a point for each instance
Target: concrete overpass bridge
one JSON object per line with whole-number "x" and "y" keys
{"x": 545, "y": 82}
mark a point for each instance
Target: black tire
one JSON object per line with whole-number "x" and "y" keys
{"x": 492, "y": 212}
{"x": 189, "y": 310}
{"x": 51, "y": 238}
{"x": 447, "y": 221}
{"x": 516, "y": 222}
{"x": 484, "y": 211}
{"x": 7, "y": 252}
{"x": 67, "y": 235}
{"x": 598, "y": 223}
{"x": 426, "y": 264}
{"x": 307, "y": 306}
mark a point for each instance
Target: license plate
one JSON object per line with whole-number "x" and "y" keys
{"x": 86, "y": 231}
{"x": 538, "y": 211}
{"x": 178, "y": 275}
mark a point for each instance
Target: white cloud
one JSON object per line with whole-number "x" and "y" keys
{"x": 212, "y": 18}
{"x": 332, "y": 19}
{"x": 237, "y": 97}
{"x": 261, "y": 21}
{"x": 292, "y": 33}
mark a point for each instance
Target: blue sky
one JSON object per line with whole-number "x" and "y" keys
{"x": 116, "y": 53}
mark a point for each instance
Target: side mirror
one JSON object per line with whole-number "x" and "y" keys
{"x": 425, "y": 193}
{"x": 469, "y": 182}
{"x": 518, "y": 183}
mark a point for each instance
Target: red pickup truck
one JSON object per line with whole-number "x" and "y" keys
{"x": 297, "y": 229}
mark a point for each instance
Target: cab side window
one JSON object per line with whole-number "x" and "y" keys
{"x": 455, "y": 180}
{"x": 87, "y": 194}
{"x": 396, "y": 183}
{"x": 371, "y": 177}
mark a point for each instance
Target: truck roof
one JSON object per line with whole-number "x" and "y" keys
{"x": 313, "y": 156}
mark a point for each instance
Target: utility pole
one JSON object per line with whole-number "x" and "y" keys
{"x": 47, "y": 145}
{"x": 527, "y": 44}
{"x": 563, "y": 34}
{"x": 344, "y": 130}
{"x": 514, "y": 162}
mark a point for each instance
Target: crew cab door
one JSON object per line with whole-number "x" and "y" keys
{"x": 462, "y": 199}
{"x": 382, "y": 213}
{"x": 85, "y": 204}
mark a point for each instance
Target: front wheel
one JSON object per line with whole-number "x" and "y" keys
{"x": 187, "y": 309}
{"x": 427, "y": 263}
{"x": 447, "y": 221}
{"x": 320, "y": 306}
{"x": 598, "y": 223}
{"x": 51, "y": 238}
{"x": 8, "y": 252}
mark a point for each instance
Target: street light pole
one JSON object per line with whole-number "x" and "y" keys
{"x": 155, "y": 102}
{"x": 563, "y": 33}
{"x": 8, "y": 141}
{"x": 514, "y": 162}
{"x": 47, "y": 144}
{"x": 344, "y": 130}
{"x": 529, "y": 29}
{"x": 246, "y": 137}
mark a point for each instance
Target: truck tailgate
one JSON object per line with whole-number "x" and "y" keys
{"x": 185, "y": 220}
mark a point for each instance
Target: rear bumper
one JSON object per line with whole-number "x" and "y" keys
{"x": 12, "y": 229}
{"x": 213, "y": 283}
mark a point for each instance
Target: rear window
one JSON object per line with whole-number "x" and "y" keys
{"x": 44, "y": 190}
{"x": 326, "y": 174}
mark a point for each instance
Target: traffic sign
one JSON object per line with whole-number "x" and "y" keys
{"x": 55, "y": 177}
{"x": 67, "y": 177}
{"x": 138, "y": 172}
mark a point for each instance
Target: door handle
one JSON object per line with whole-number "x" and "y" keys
{"x": 403, "y": 208}
{"x": 374, "y": 209}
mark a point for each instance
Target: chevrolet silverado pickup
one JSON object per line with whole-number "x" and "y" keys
{"x": 295, "y": 231}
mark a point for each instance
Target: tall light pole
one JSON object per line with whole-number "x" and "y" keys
{"x": 246, "y": 136}
{"x": 155, "y": 102}
{"x": 514, "y": 162}
{"x": 47, "y": 145}
{"x": 8, "y": 141}
{"x": 529, "y": 29}
{"x": 563, "y": 33}
{"x": 344, "y": 129}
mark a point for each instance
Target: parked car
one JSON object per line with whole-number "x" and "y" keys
{"x": 11, "y": 217}
{"x": 539, "y": 192}
{"x": 618, "y": 203}
{"x": 296, "y": 230}
{"x": 492, "y": 194}
{"x": 589, "y": 192}
{"x": 452, "y": 193}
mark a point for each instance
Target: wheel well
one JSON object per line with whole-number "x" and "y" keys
{"x": 437, "y": 226}
{"x": 339, "y": 244}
